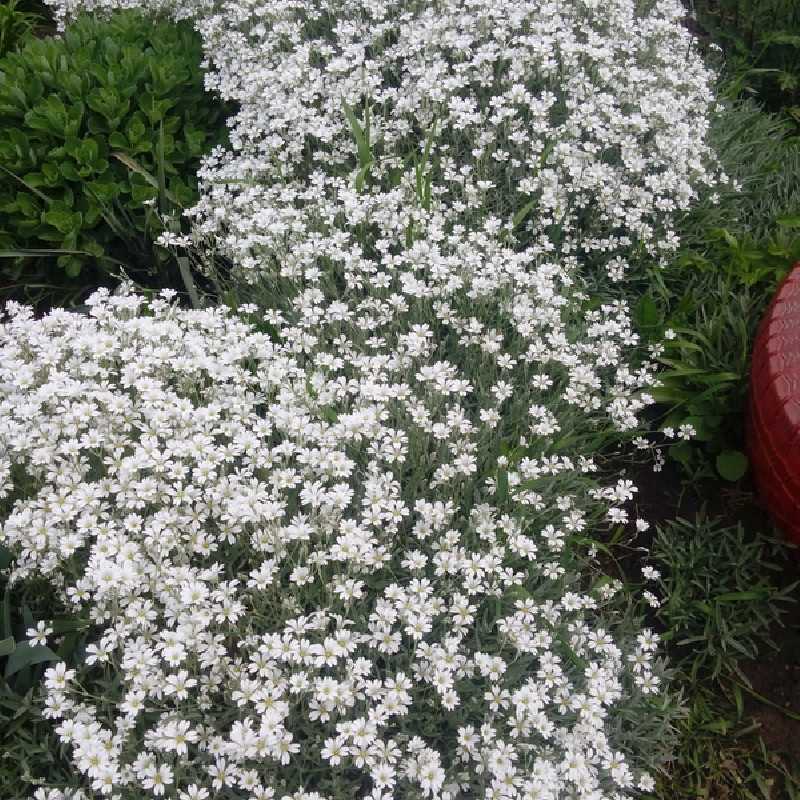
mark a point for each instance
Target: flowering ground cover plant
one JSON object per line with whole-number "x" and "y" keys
{"x": 342, "y": 540}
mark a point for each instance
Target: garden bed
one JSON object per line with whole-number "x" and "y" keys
{"x": 337, "y": 501}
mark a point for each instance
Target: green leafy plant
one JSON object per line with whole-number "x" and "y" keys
{"x": 103, "y": 132}
{"x": 707, "y": 360}
{"x": 704, "y": 308}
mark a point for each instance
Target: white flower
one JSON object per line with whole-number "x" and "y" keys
{"x": 194, "y": 792}
{"x": 157, "y": 779}
{"x": 39, "y": 634}
{"x": 650, "y": 573}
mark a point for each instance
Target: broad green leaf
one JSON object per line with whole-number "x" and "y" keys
{"x": 139, "y": 194}
{"x": 29, "y": 181}
{"x": 136, "y": 129}
{"x": 186, "y": 195}
{"x": 63, "y": 221}
{"x": 51, "y": 173}
{"x": 104, "y": 191}
{"x": 732, "y": 464}
{"x": 705, "y": 427}
{"x": 72, "y": 265}
{"x": 195, "y": 140}
{"x": 88, "y": 152}
{"x": 117, "y": 140}
{"x": 68, "y": 645}
{"x": 69, "y": 171}
{"x": 155, "y": 108}
{"x": 92, "y": 215}
{"x": 7, "y": 646}
{"x": 26, "y": 655}
{"x": 682, "y": 453}
{"x": 50, "y": 116}
{"x": 27, "y": 205}
{"x": 21, "y": 145}
{"x": 107, "y": 101}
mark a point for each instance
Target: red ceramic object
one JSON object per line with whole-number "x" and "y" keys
{"x": 773, "y": 429}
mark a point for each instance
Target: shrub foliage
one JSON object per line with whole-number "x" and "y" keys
{"x": 95, "y": 124}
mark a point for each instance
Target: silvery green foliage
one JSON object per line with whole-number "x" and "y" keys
{"x": 340, "y": 547}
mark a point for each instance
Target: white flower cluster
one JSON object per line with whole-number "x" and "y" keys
{"x": 65, "y": 10}
{"x": 336, "y": 546}
{"x": 186, "y": 495}
{"x": 591, "y": 119}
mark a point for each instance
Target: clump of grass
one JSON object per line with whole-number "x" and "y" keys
{"x": 722, "y": 755}
{"x": 723, "y": 602}
{"x": 722, "y": 597}
{"x": 755, "y": 149}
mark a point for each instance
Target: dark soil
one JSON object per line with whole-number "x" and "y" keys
{"x": 778, "y": 679}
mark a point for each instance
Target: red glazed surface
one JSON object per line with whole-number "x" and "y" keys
{"x": 773, "y": 429}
